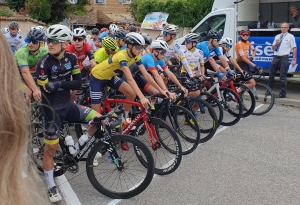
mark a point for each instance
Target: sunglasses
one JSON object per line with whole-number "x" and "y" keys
{"x": 228, "y": 46}
{"x": 187, "y": 41}
{"x": 53, "y": 41}
{"x": 138, "y": 47}
{"x": 162, "y": 52}
{"x": 283, "y": 27}
{"x": 111, "y": 50}
{"x": 218, "y": 40}
{"x": 95, "y": 33}
{"x": 165, "y": 33}
{"x": 32, "y": 41}
{"x": 78, "y": 39}
{"x": 245, "y": 35}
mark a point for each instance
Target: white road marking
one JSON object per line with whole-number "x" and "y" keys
{"x": 68, "y": 193}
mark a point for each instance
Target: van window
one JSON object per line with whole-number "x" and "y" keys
{"x": 212, "y": 23}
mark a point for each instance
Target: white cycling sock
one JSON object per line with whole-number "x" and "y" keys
{"x": 126, "y": 114}
{"x": 49, "y": 178}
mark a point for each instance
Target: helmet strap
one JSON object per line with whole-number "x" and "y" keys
{"x": 36, "y": 49}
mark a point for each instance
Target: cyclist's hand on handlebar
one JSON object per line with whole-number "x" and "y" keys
{"x": 186, "y": 92}
{"x": 172, "y": 96}
{"x": 145, "y": 102}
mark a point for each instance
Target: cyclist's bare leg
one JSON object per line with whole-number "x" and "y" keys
{"x": 126, "y": 89}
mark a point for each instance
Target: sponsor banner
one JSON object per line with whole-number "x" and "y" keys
{"x": 154, "y": 20}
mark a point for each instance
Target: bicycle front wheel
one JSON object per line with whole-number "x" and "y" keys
{"x": 247, "y": 98}
{"x": 264, "y": 97}
{"x": 119, "y": 173}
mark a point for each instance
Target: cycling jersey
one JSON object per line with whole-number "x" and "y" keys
{"x": 113, "y": 65}
{"x": 25, "y": 59}
{"x": 208, "y": 52}
{"x": 15, "y": 42}
{"x": 151, "y": 65}
{"x": 81, "y": 55}
{"x": 225, "y": 53}
{"x": 122, "y": 47}
{"x": 175, "y": 48}
{"x": 242, "y": 49}
{"x": 102, "y": 55}
{"x": 91, "y": 42}
{"x": 194, "y": 59}
{"x": 146, "y": 51}
{"x": 50, "y": 69}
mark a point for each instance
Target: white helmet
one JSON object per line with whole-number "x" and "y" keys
{"x": 59, "y": 32}
{"x": 134, "y": 39}
{"x": 79, "y": 32}
{"x": 5, "y": 30}
{"x": 159, "y": 44}
{"x": 41, "y": 28}
{"x": 226, "y": 41}
{"x": 171, "y": 29}
{"x": 194, "y": 37}
{"x": 113, "y": 28}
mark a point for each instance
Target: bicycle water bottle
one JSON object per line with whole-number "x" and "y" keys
{"x": 82, "y": 140}
{"x": 258, "y": 24}
{"x": 70, "y": 143}
{"x": 126, "y": 123}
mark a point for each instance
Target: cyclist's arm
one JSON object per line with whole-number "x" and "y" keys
{"x": 224, "y": 62}
{"x": 158, "y": 79}
{"x": 28, "y": 79}
{"x": 173, "y": 78}
{"x": 183, "y": 60}
{"x": 253, "y": 52}
{"x": 234, "y": 63}
{"x": 131, "y": 82}
{"x": 246, "y": 60}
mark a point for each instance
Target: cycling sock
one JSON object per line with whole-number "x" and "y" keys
{"x": 126, "y": 114}
{"x": 49, "y": 178}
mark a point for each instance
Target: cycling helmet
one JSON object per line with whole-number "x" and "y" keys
{"x": 132, "y": 28}
{"x": 134, "y": 39}
{"x": 148, "y": 39}
{"x": 59, "y": 32}
{"x": 121, "y": 34}
{"x": 5, "y": 30}
{"x": 113, "y": 28}
{"x": 245, "y": 32}
{"x": 192, "y": 37}
{"x": 13, "y": 24}
{"x": 159, "y": 45}
{"x": 79, "y": 32}
{"x": 95, "y": 31}
{"x": 109, "y": 43}
{"x": 171, "y": 29}
{"x": 226, "y": 41}
{"x": 36, "y": 34}
{"x": 103, "y": 30}
{"x": 214, "y": 34}
{"x": 41, "y": 28}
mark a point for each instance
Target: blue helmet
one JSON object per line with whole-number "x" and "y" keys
{"x": 36, "y": 34}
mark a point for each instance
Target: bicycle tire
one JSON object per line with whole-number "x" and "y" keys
{"x": 235, "y": 111}
{"x": 165, "y": 150}
{"x": 264, "y": 97}
{"x": 131, "y": 189}
{"x": 247, "y": 98}
{"x": 189, "y": 141}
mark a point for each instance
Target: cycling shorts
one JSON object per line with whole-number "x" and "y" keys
{"x": 71, "y": 113}
{"x": 97, "y": 87}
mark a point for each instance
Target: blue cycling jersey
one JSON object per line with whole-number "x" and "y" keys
{"x": 123, "y": 47}
{"x": 207, "y": 52}
{"x": 150, "y": 64}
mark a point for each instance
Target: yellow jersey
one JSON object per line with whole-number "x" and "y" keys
{"x": 101, "y": 55}
{"x": 113, "y": 65}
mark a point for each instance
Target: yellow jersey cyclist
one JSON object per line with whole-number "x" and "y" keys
{"x": 54, "y": 72}
{"x": 109, "y": 48}
{"x": 106, "y": 73}
{"x": 27, "y": 58}
{"x": 120, "y": 39}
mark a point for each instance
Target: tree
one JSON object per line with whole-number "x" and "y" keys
{"x": 59, "y": 10}
{"x": 39, "y": 9}
{"x": 16, "y": 4}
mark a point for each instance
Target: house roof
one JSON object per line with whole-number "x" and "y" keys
{"x": 93, "y": 18}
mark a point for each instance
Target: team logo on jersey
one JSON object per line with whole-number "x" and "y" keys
{"x": 68, "y": 65}
{"x": 54, "y": 68}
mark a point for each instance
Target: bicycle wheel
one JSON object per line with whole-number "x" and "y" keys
{"x": 232, "y": 106}
{"x": 120, "y": 174}
{"x": 167, "y": 150}
{"x": 247, "y": 98}
{"x": 215, "y": 103}
{"x": 186, "y": 126}
{"x": 264, "y": 97}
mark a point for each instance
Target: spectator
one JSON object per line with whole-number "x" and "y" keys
{"x": 282, "y": 45}
{"x": 127, "y": 25}
{"x": 132, "y": 28}
{"x": 295, "y": 16}
{"x": 138, "y": 30}
{"x": 121, "y": 28}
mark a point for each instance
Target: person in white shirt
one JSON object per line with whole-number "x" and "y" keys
{"x": 282, "y": 46}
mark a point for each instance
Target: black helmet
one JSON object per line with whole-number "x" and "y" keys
{"x": 214, "y": 34}
{"x": 148, "y": 39}
{"x": 36, "y": 34}
{"x": 121, "y": 34}
{"x": 95, "y": 31}
{"x": 132, "y": 28}
{"x": 13, "y": 24}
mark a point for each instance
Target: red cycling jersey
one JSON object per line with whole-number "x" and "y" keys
{"x": 81, "y": 55}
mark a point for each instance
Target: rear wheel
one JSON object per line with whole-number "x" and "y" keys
{"x": 247, "y": 98}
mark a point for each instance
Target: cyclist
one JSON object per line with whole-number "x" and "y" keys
{"x": 210, "y": 49}
{"x": 170, "y": 31}
{"x": 132, "y": 28}
{"x": 27, "y": 58}
{"x": 54, "y": 72}
{"x": 226, "y": 45}
{"x": 109, "y": 48}
{"x": 109, "y": 33}
{"x": 106, "y": 73}
{"x": 120, "y": 37}
{"x": 91, "y": 41}
{"x": 5, "y": 30}
{"x": 14, "y": 39}
{"x": 242, "y": 48}
{"x": 148, "y": 41}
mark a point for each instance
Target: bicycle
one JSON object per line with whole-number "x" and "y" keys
{"x": 113, "y": 161}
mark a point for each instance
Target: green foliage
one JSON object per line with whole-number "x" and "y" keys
{"x": 181, "y": 12}
{"x": 16, "y": 4}
{"x": 59, "y": 10}
{"x": 4, "y": 11}
{"x": 83, "y": 2}
{"x": 39, "y": 9}
{"x": 77, "y": 9}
